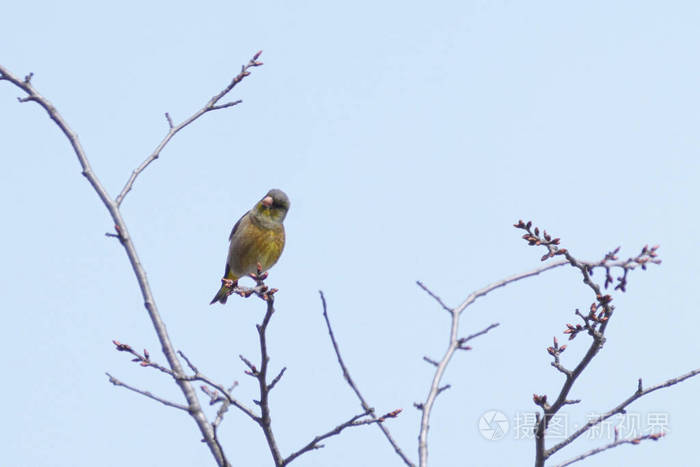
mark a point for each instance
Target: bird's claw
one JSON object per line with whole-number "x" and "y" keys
{"x": 228, "y": 282}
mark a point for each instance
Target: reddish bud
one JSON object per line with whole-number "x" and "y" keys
{"x": 122, "y": 347}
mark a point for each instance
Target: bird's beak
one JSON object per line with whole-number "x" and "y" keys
{"x": 267, "y": 201}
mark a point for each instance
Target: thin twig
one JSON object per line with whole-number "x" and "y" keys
{"x": 198, "y": 376}
{"x": 620, "y": 408}
{"x": 455, "y": 343}
{"x": 435, "y": 297}
{"x": 112, "y": 205}
{"x": 142, "y": 359}
{"x": 464, "y": 340}
{"x": 174, "y": 129}
{"x": 148, "y": 394}
{"x": 225, "y": 404}
{"x": 145, "y": 361}
{"x": 354, "y": 421}
{"x": 614, "y": 444}
{"x": 508, "y": 280}
{"x": 365, "y": 406}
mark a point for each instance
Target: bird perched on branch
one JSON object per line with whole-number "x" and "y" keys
{"x": 257, "y": 238}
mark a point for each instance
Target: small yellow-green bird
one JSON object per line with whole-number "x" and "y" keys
{"x": 257, "y": 237}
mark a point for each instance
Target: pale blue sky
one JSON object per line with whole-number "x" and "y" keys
{"x": 409, "y": 137}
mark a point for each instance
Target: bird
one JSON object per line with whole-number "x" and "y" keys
{"x": 256, "y": 239}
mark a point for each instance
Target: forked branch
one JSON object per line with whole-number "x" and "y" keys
{"x": 112, "y": 204}
{"x": 594, "y": 323}
{"x": 457, "y": 343}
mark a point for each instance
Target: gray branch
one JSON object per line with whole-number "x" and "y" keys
{"x": 174, "y": 129}
{"x": 365, "y": 406}
{"x": 148, "y": 394}
{"x": 456, "y": 343}
{"x": 112, "y": 204}
{"x": 614, "y": 444}
{"x": 620, "y": 408}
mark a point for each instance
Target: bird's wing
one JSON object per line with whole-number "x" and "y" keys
{"x": 235, "y": 227}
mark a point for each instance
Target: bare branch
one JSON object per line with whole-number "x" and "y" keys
{"x": 188, "y": 361}
{"x": 112, "y": 205}
{"x": 148, "y": 394}
{"x": 265, "y": 420}
{"x": 33, "y": 96}
{"x": 614, "y": 444}
{"x": 354, "y": 421}
{"x": 277, "y": 378}
{"x": 620, "y": 408}
{"x": 173, "y": 129}
{"x": 220, "y": 414}
{"x": 142, "y": 359}
{"x": 464, "y": 340}
{"x": 437, "y": 299}
{"x": 430, "y": 360}
{"x": 443, "y": 388}
{"x": 435, "y": 387}
{"x": 508, "y": 280}
{"x": 260, "y": 374}
{"x": 594, "y": 323}
{"x": 225, "y": 404}
{"x": 346, "y": 374}
{"x": 456, "y": 343}
{"x": 145, "y": 361}
{"x": 226, "y": 393}
{"x": 226, "y": 105}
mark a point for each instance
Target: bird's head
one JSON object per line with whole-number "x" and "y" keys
{"x": 273, "y": 206}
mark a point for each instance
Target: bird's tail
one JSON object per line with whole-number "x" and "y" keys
{"x": 222, "y": 295}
